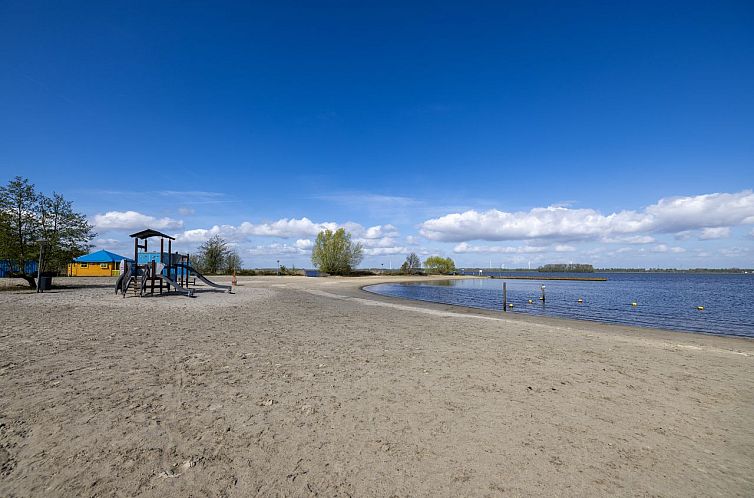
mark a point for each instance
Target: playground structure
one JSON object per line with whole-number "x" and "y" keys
{"x": 163, "y": 270}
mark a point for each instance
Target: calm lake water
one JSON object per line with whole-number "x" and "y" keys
{"x": 664, "y": 300}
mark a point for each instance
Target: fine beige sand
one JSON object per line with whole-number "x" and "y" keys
{"x": 302, "y": 387}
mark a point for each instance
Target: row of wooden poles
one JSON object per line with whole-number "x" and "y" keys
{"x": 542, "y": 298}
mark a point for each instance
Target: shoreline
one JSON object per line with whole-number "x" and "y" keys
{"x": 554, "y": 319}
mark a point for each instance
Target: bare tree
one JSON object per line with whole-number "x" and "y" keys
{"x": 232, "y": 261}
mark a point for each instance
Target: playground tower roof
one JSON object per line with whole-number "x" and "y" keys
{"x": 145, "y": 234}
{"x": 100, "y": 257}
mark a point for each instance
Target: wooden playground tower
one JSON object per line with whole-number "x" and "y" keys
{"x": 166, "y": 271}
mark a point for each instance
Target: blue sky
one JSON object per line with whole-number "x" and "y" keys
{"x": 492, "y": 132}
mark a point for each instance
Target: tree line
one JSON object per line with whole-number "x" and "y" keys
{"x": 31, "y": 221}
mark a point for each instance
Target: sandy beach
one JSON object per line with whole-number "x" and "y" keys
{"x": 299, "y": 386}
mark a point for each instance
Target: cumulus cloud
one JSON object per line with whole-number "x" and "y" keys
{"x": 564, "y": 248}
{"x": 378, "y": 232}
{"x": 274, "y": 250}
{"x": 381, "y": 237}
{"x": 666, "y": 216}
{"x": 286, "y": 228}
{"x": 127, "y": 220}
{"x": 107, "y": 243}
{"x": 633, "y": 239}
{"x": 465, "y": 248}
{"x": 684, "y": 235}
{"x": 304, "y": 244}
{"x": 665, "y": 248}
{"x": 715, "y": 233}
{"x": 386, "y": 251}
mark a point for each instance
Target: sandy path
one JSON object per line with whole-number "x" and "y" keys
{"x": 297, "y": 386}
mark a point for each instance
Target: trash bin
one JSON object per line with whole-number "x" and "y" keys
{"x": 45, "y": 283}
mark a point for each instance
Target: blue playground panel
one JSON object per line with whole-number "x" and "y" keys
{"x": 7, "y": 267}
{"x": 148, "y": 257}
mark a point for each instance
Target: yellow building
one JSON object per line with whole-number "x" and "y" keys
{"x": 97, "y": 264}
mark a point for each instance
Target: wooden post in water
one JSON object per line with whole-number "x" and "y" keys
{"x": 505, "y": 298}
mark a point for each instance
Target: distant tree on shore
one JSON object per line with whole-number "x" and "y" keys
{"x": 212, "y": 255}
{"x": 438, "y": 264}
{"x": 30, "y": 220}
{"x": 412, "y": 265}
{"x": 335, "y": 253}
{"x": 232, "y": 261}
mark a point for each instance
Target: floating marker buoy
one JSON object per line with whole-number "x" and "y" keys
{"x": 510, "y": 305}
{"x": 580, "y": 300}
{"x": 531, "y": 302}
{"x": 700, "y": 308}
{"x": 634, "y": 304}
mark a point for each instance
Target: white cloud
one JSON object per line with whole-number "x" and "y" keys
{"x": 564, "y": 248}
{"x": 662, "y": 248}
{"x": 383, "y": 242}
{"x": 304, "y": 244}
{"x": 736, "y": 252}
{"x": 685, "y": 235}
{"x": 286, "y": 228}
{"x": 465, "y": 248}
{"x": 227, "y": 232}
{"x": 274, "y": 250}
{"x": 386, "y": 251}
{"x": 379, "y": 231}
{"x": 377, "y": 240}
{"x": 632, "y": 239}
{"x": 666, "y": 216}
{"x": 715, "y": 233}
{"x": 184, "y": 211}
{"x": 107, "y": 243}
{"x": 122, "y": 220}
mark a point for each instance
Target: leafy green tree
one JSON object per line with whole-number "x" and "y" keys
{"x": 212, "y": 255}
{"x": 29, "y": 218}
{"x": 66, "y": 233}
{"x": 18, "y": 200}
{"x": 438, "y": 264}
{"x": 335, "y": 253}
{"x": 412, "y": 265}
